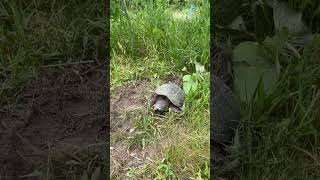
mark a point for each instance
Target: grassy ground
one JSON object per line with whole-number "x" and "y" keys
{"x": 39, "y": 33}
{"x": 281, "y": 137}
{"x": 39, "y": 41}
{"x": 279, "y": 131}
{"x": 148, "y": 48}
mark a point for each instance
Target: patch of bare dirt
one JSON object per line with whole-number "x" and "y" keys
{"x": 126, "y": 101}
{"x": 60, "y": 110}
{"x": 129, "y": 98}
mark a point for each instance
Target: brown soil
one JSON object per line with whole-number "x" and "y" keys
{"x": 173, "y": 79}
{"x": 58, "y": 112}
{"x": 126, "y": 102}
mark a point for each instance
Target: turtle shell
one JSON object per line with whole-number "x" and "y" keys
{"x": 226, "y": 111}
{"x": 173, "y": 92}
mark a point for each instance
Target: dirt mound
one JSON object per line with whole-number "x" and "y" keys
{"x": 59, "y": 111}
{"x": 128, "y": 98}
{"x": 128, "y": 104}
{"x": 125, "y": 102}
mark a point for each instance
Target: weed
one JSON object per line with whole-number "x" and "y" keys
{"x": 159, "y": 41}
{"x": 40, "y": 33}
{"x": 36, "y": 34}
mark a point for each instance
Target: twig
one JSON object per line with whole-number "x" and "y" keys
{"x": 67, "y": 64}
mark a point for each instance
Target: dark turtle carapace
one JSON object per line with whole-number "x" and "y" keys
{"x": 225, "y": 113}
{"x": 168, "y": 96}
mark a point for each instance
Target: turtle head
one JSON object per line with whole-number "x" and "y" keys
{"x": 161, "y": 104}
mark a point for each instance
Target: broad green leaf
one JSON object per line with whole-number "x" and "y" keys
{"x": 249, "y": 67}
{"x": 197, "y": 77}
{"x": 278, "y": 41}
{"x": 250, "y": 53}
{"x": 248, "y": 77}
{"x": 189, "y": 84}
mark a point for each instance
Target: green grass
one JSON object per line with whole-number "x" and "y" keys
{"x": 42, "y": 32}
{"x": 279, "y": 132}
{"x": 39, "y": 33}
{"x": 153, "y": 44}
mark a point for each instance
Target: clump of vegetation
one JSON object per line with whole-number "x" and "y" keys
{"x": 277, "y": 79}
{"x": 154, "y": 36}
{"x": 34, "y": 34}
{"x": 155, "y": 40}
{"x": 37, "y": 33}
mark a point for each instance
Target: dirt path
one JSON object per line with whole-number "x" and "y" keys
{"x": 55, "y": 115}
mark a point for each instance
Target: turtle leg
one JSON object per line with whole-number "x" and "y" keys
{"x": 175, "y": 109}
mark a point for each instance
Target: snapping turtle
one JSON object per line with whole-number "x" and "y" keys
{"x": 168, "y": 96}
{"x": 226, "y": 111}
{"x": 225, "y": 115}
